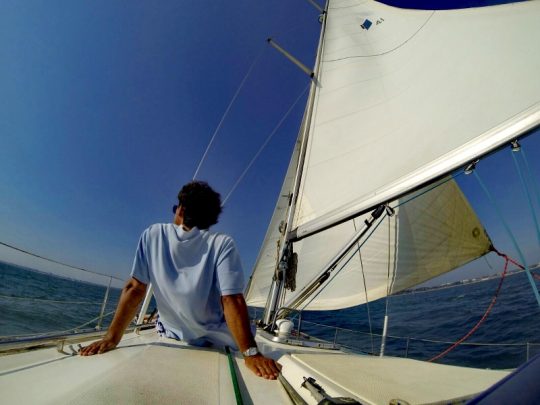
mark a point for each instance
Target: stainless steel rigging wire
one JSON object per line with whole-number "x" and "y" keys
{"x": 269, "y": 137}
{"x": 216, "y": 131}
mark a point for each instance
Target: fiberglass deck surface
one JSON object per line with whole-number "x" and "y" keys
{"x": 378, "y": 380}
{"x": 144, "y": 369}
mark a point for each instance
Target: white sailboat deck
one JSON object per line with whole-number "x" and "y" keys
{"x": 143, "y": 369}
{"x": 148, "y": 369}
{"x": 378, "y": 380}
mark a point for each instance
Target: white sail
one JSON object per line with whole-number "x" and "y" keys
{"x": 416, "y": 95}
{"x": 433, "y": 233}
{"x": 404, "y": 97}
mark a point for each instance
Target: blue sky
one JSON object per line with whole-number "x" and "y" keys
{"x": 107, "y": 108}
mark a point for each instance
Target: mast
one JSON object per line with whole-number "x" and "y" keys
{"x": 276, "y": 289}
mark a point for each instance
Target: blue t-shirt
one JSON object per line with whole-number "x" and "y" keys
{"x": 190, "y": 271}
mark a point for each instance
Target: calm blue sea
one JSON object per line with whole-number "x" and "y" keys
{"x": 32, "y": 302}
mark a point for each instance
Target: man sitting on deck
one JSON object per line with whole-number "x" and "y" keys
{"x": 198, "y": 282}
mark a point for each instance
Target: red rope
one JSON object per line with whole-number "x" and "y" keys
{"x": 493, "y": 300}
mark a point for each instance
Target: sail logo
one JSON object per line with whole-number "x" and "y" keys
{"x": 366, "y": 25}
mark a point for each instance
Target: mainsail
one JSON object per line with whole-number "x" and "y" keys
{"x": 404, "y": 98}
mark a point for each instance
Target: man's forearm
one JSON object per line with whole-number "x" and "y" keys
{"x": 236, "y": 315}
{"x": 130, "y": 299}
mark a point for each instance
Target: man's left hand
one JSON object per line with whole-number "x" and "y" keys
{"x": 263, "y": 366}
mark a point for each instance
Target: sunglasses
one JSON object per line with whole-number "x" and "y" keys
{"x": 174, "y": 208}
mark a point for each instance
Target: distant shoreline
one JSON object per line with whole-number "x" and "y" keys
{"x": 462, "y": 282}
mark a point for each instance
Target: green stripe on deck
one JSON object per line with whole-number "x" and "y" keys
{"x": 234, "y": 378}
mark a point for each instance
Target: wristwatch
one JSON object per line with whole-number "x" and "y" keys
{"x": 252, "y": 351}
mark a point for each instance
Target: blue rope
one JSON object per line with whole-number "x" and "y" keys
{"x": 532, "y": 180}
{"x": 531, "y": 177}
{"x": 516, "y": 246}
{"x": 527, "y": 193}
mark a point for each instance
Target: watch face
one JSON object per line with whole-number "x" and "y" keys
{"x": 252, "y": 351}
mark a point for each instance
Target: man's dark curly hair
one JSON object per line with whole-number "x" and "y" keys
{"x": 202, "y": 205}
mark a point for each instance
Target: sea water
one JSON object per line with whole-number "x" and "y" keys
{"x": 421, "y": 324}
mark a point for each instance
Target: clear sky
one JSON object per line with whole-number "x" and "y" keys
{"x": 107, "y": 107}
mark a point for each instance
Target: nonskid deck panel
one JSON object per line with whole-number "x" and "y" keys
{"x": 144, "y": 369}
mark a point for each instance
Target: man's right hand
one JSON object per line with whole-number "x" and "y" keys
{"x": 101, "y": 346}
{"x": 131, "y": 297}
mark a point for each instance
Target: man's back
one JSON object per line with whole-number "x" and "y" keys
{"x": 198, "y": 282}
{"x": 190, "y": 271}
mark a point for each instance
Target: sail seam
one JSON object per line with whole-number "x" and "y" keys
{"x": 385, "y": 52}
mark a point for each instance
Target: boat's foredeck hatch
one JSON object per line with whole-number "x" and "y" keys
{"x": 386, "y": 380}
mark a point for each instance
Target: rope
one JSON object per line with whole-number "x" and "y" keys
{"x": 57, "y": 262}
{"x": 529, "y": 173}
{"x": 264, "y": 144}
{"x": 486, "y": 313}
{"x": 227, "y": 112}
{"x": 527, "y": 194}
{"x": 365, "y": 291}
